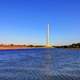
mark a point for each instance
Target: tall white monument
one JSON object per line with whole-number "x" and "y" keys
{"x": 48, "y": 37}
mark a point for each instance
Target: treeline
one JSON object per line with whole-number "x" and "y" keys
{"x": 75, "y": 45}
{"x": 6, "y": 45}
{"x": 16, "y": 45}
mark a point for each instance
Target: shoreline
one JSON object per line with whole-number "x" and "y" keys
{"x": 26, "y": 47}
{"x": 14, "y": 47}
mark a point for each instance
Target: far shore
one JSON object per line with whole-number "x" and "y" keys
{"x": 14, "y": 48}
{"x": 8, "y": 47}
{"x": 24, "y": 46}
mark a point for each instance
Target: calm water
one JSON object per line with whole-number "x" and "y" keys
{"x": 40, "y": 64}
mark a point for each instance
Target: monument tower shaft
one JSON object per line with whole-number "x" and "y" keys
{"x": 48, "y": 37}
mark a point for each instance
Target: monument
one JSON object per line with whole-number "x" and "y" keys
{"x": 48, "y": 37}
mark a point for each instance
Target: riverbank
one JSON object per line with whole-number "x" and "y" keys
{"x": 19, "y": 47}
{"x": 8, "y": 48}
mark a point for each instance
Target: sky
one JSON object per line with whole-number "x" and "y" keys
{"x": 25, "y": 21}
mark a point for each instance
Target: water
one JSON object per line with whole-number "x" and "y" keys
{"x": 40, "y": 64}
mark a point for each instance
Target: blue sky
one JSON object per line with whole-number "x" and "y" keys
{"x": 25, "y": 21}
